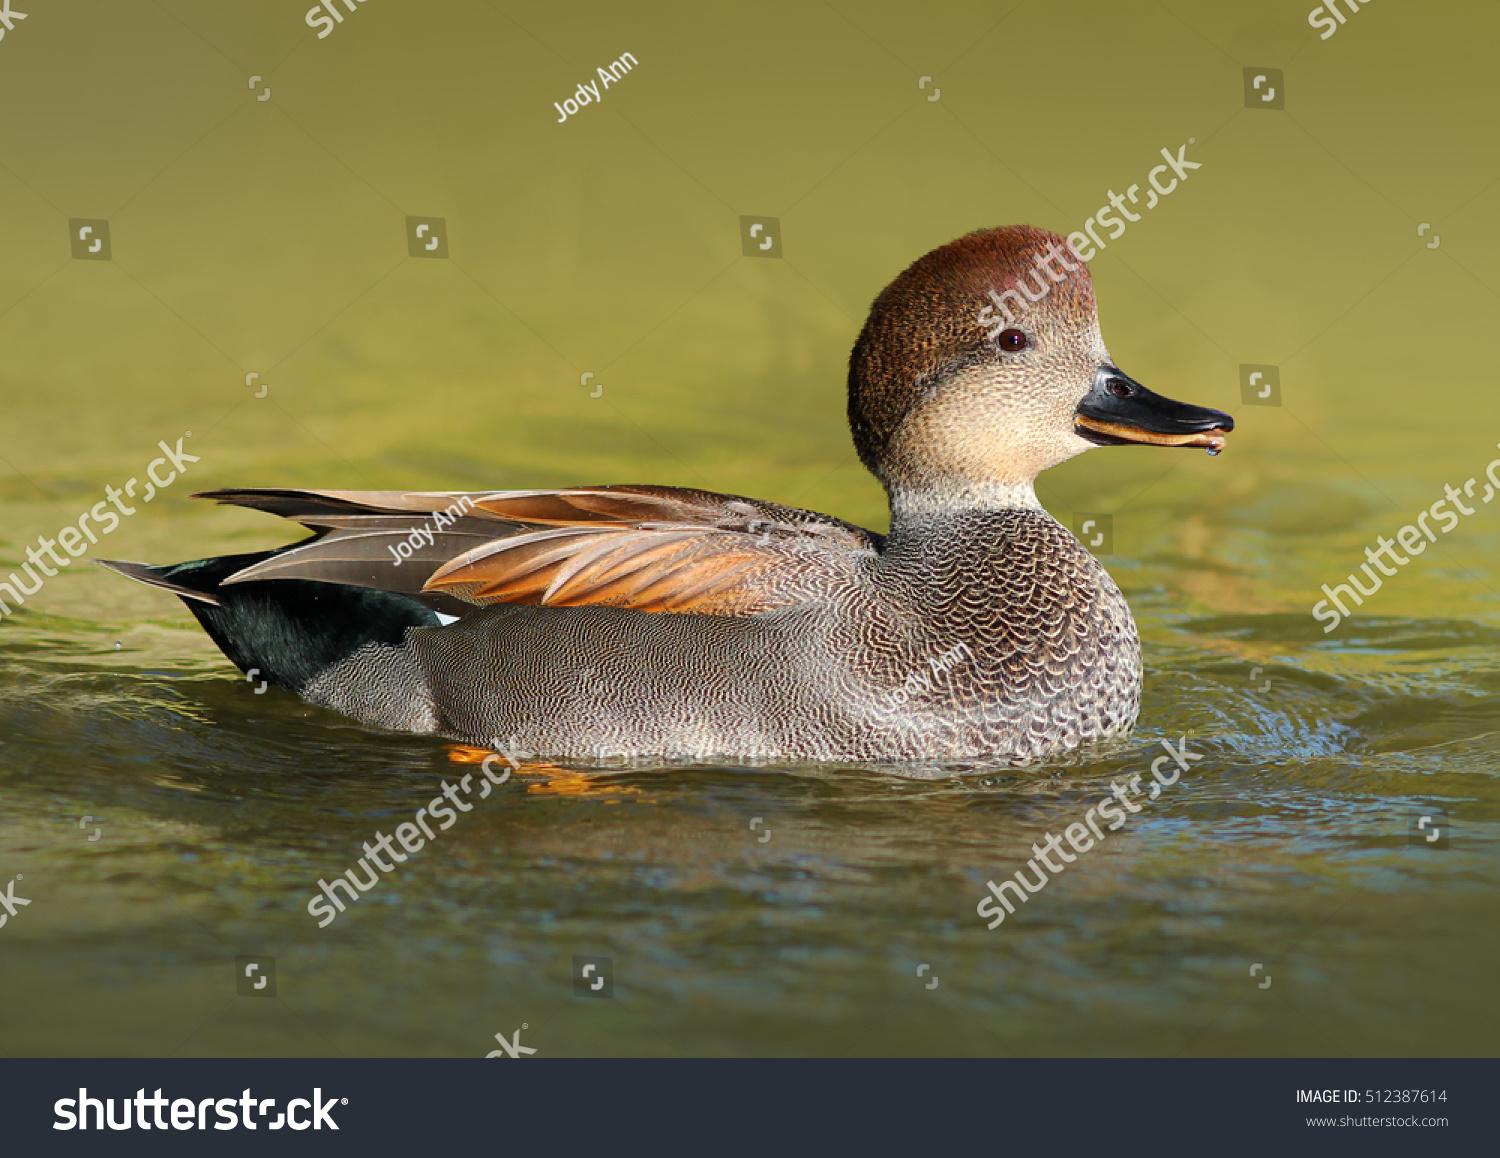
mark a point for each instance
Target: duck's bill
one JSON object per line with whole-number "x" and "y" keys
{"x": 1118, "y": 411}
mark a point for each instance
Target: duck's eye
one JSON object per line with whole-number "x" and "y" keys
{"x": 1011, "y": 340}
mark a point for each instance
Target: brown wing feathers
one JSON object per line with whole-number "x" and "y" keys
{"x": 648, "y": 548}
{"x": 677, "y": 569}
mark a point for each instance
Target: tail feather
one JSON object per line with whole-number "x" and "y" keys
{"x": 288, "y": 630}
{"x": 157, "y": 577}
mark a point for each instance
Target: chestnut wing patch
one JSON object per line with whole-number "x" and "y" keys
{"x": 667, "y": 568}
{"x": 653, "y": 549}
{"x": 648, "y": 548}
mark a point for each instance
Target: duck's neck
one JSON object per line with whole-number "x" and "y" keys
{"x": 978, "y": 537}
{"x": 912, "y": 507}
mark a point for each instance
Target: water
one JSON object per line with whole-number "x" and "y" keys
{"x": 745, "y": 911}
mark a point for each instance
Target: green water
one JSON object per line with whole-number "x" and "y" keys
{"x": 267, "y": 237}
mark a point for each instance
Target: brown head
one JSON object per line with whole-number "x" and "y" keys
{"x": 982, "y": 365}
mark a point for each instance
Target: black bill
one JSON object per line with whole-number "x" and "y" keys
{"x": 1119, "y": 410}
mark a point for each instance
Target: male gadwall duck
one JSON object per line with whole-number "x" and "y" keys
{"x": 634, "y": 622}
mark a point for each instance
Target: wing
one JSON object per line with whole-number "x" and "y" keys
{"x": 647, "y": 548}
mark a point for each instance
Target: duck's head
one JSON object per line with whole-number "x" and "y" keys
{"x": 982, "y": 365}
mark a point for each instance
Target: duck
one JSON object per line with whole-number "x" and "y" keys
{"x": 658, "y": 623}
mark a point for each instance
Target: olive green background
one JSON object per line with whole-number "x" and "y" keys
{"x": 268, "y": 237}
